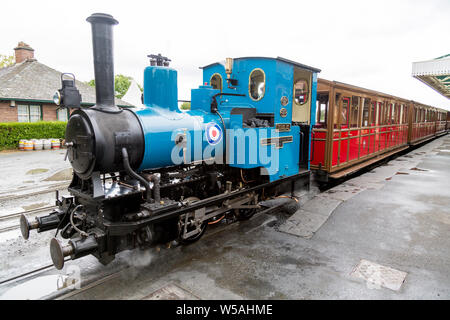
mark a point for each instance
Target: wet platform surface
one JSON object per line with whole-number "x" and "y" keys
{"x": 25, "y": 170}
{"x": 381, "y": 235}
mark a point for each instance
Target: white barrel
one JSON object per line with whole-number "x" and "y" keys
{"x": 22, "y": 144}
{"x": 56, "y": 144}
{"x": 38, "y": 144}
{"x": 47, "y": 144}
{"x": 28, "y": 145}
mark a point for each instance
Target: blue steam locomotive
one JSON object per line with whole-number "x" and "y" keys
{"x": 155, "y": 174}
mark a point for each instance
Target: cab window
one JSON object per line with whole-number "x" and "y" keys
{"x": 216, "y": 81}
{"x": 301, "y": 92}
{"x": 257, "y": 84}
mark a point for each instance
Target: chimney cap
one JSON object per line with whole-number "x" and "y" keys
{"x": 102, "y": 18}
{"x": 24, "y": 46}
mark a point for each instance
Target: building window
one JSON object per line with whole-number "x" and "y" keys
{"x": 29, "y": 113}
{"x": 62, "y": 114}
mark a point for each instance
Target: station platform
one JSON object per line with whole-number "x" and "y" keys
{"x": 381, "y": 235}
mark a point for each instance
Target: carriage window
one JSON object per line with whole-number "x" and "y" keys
{"x": 344, "y": 112}
{"x": 404, "y": 113}
{"x": 365, "y": 118}
{"x": 394, "y": 115}
{"x": 257, "y": 84}
{"x": 400, "y": 115}
{"x": 354, "y": 112}
{"x": 336, "y": 110}
{"x": 321, "y": 110}
{"x": 216, "y": 81}
{"x": 380, "y": 113}
{"x": 301, "y": 92}
{"x": 373, "y": 115}
{"x": 389, "y": 113}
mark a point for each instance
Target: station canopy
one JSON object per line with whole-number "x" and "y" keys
{"x": 434, "y": 73}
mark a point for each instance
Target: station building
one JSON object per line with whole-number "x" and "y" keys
{"x": 28, "y": 86}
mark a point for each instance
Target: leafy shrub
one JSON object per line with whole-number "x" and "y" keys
{"x": 185, "y": 106}
{"x": 12, "y": 132}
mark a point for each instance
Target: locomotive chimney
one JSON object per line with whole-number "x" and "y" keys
{"x": 102, "y": 42}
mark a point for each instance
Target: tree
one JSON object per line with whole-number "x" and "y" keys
{"x": 6, "y": 61}
{"x": 185, "y": 106}
{"x": 121, "y": 84}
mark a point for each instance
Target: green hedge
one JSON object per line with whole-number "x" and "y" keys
{"x": 12, "y": 132}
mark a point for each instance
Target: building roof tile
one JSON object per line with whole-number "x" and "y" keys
{"x": 32, "y": 80}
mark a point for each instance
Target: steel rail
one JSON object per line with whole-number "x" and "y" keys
{"x": 25, "y": 274}
{"x": 10, "y": 196}
{"x": 18, "y": 214}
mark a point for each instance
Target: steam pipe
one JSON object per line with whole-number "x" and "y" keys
{"x": 156, "y": 186}
{"x": 131, "y": 173}
{"x": 102, "y": 42}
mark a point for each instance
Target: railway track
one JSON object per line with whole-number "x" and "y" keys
{"x": 28, "y": 213}
{"x": 92, "y": 283}
{"x": 17, "y": 193}
{"x": 69, "y": 292}
{"x": 28, "y": 273}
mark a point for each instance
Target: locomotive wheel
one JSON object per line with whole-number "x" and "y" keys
{"x": 196, "y": 237}
{"x": 244, "y": 214}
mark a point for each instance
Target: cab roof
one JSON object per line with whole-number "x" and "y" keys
{"x": 296, "y": 64}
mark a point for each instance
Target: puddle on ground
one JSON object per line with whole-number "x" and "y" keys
{"x": 37, "y": 171}
{"x": 34, "y": 206}
{"x": 40, "y": 287}
{"x": 62, "y": 175}
{"x": 32, "y": 289}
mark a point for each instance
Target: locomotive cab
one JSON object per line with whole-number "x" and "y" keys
{"x": 279, "y": 97}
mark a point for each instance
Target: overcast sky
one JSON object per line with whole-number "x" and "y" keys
{"x": 366, "y": 43}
